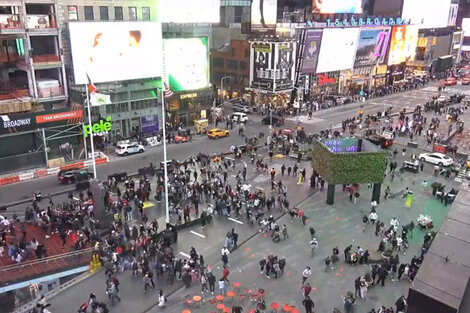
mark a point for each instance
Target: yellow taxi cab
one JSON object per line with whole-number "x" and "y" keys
{"x": 217, "y": 133}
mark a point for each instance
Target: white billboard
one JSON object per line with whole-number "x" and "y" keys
{"x": 338, "y": 49}
{"x": 427, "y": 13}
{"x": 263, "y": 14}
{"x": 190, "y": 11}
{"x": 118, "y": 51}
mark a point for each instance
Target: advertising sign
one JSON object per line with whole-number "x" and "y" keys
{"x": 149, "y": 124}
{"x": 403, "y": 44}
{"x": 338, "y": 48}
{"x": 262, "y": 65}
{"x": 263, "y": 14}
{"x": 387, "y": 8}
{"x": 338, "y": 6}
{"x": 100, "y": 128}
{"x": 187, "y": 63}
{"x": 285, "y": 60}
{"x": 312, "y": 48}
{"x": 190, "y": 11}
{"x": 427, "y": 13}
{"x": 453, "y": 11}
{"x": 110, "y": 51}
{"x": 15, "y": 123}
{"x": 372, "y": 46}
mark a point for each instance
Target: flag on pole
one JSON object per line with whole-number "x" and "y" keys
{"x": 91, "y": 86}
{"x": 167, "y": 92}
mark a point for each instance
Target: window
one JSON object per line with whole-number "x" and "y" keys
{"x": 247, "y": 53}
{"x": 233, "y": 65}
{"x": 118, "y": 16}
{"x": 104, "y": 15}
{"x": 132, "y": 14}
{"x": 145, "y": 14}
{"x": 73, "y": 12}
{"x": 242, "y": 65}
{"x": 89, "y": 16}
{"x": 238, "y": 15}
{"x": 218, "y": 62}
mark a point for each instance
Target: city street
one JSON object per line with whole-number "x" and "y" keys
{"x": 321, "y": 120}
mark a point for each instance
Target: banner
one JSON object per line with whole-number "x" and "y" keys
{"x": 263, "y": 15}
{"x": 16, "y": 123}
{"x": 285, "y": 70}
{"x": 149, "y": 124}
{"x": 97, "y": 99}
{"x": 372, "y": 46}
{"x": 312, "y": 48}
{"x": 262, "y": 66}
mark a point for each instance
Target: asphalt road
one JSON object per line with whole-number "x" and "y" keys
{"x": 321, "y": 120}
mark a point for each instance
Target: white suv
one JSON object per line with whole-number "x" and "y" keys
{"x": 129, "y": 148}
{"x": 239, "y": 117}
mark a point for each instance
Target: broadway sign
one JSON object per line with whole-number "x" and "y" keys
{"x": 16, "y": 123}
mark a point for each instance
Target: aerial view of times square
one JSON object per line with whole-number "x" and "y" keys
{"x": 235, "y": 156}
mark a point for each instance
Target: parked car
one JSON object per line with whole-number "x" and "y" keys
{"x": 277, "y": 120}
{"x": 217, "y": 133}
{"x": 450, "y": 81}
{"x": 436, "y": 158}
{"x": 129, "y": 148}
{"x": 239, "y": 117}
{"x": 241, "y": 108}
{"x": 73, "y": 176}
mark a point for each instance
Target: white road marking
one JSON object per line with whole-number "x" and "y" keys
{"x": 236, "y": 221}
{"x": 76, "y": 199}
{"x": 185, "y": 255}
{"x": 197, "y": 234}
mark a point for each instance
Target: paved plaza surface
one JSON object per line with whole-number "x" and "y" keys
{"x": 338, "y": 225}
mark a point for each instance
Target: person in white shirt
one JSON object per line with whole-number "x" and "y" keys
{"x": 224, "y": 250}
{"x": 373, "y": 217}
{"x": 394, "y": 223}
{"x": 306, "y": 274}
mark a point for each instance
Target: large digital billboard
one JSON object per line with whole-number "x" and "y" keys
{"x": 285, "y": 65}
{"x": 403, "y": 44}
{"x": 187, "y": 63}
{"x": 339, "y": 6}
{"x": 263, "y": 14}
{"x": 338, "y": 48}
{"x": 372, "y": 46}
{"x": 311, "y": 50}
{"x": 190, "y": 11}
{"x": 262, "y": 60}
{"x": 118, "y": 51}
{"x": 387, "y": 8}
{"x": 427, "y": 13}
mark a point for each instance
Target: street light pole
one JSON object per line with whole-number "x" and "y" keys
{"x": 90, "y": 133}
{"x": 222, "y": 85}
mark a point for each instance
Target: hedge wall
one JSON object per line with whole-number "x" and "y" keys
{"x": 349, "y": 168}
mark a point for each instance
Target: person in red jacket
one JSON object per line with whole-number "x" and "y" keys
{"x": 306, "y": 289}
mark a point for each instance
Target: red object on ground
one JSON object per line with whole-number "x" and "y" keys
{"x": 220, "y": 298}
{"x": 236, "y": 285}
{"x": 286, "y": 308}
{"x": 275, "y": 306}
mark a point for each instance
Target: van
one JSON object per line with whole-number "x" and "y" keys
{"x": 239, "y": 117}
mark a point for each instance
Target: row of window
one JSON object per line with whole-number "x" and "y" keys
{"x": 135, "y": 105}
{"x": 230, "y": 64}
{"x": 234, "y": 79}
{"x": 89, "y": 13}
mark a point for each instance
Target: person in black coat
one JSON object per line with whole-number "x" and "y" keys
{"x": 211, "y": 280}
{"x": 401, "y": 304}
{"x": 308, "y": 304}
{"x": 382, "y": 272}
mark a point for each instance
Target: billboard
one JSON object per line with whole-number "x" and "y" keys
{"x": 190, "y": 11}
{"x": 427, "y": 13}
{"x": 187, "y": 63}
{"x": 453, "y": 11}
{"x": 338, "y": 48}
{"x": 149, "y": 124}
{"x": 15, "y": 123}
{"x": 262, "y": 65}
{"x": 110, "y": 51}
{"x": 387, "y": 8}
{"x": 312, "y": 48}
{"x": 284, "y": 67}
{"x": 263, "y": 14}
{"x": 339, "y": 6}
{"x": 403, "y": 44}
{"x": 372, "y": 46}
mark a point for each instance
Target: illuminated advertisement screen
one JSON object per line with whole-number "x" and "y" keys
{"x": 338, "y": 48}
{"x": 312, "y": 48}
{"x": 190, "y": 11}
{"x": 187, "y": 63}
{"x": 263, "y": 14}
{"x": 403, "y": 44}
{"x": 427, "y": 13}
{"x": 387, "y": 8}
{"x": 372, "y": 46}
{"x": 339, "y": 6}
{"x": 110, "y": 51}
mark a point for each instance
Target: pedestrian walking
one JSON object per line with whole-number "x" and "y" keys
{"x": 161, "y": 299}
{"x": 307, "y": 272}
{"x": 204, "y": 283}
{"x": 211, "y": 280}
{"x": 112, "y": 292}
{"x": 222, "y": 286}
{"x": 308, "y": 304}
